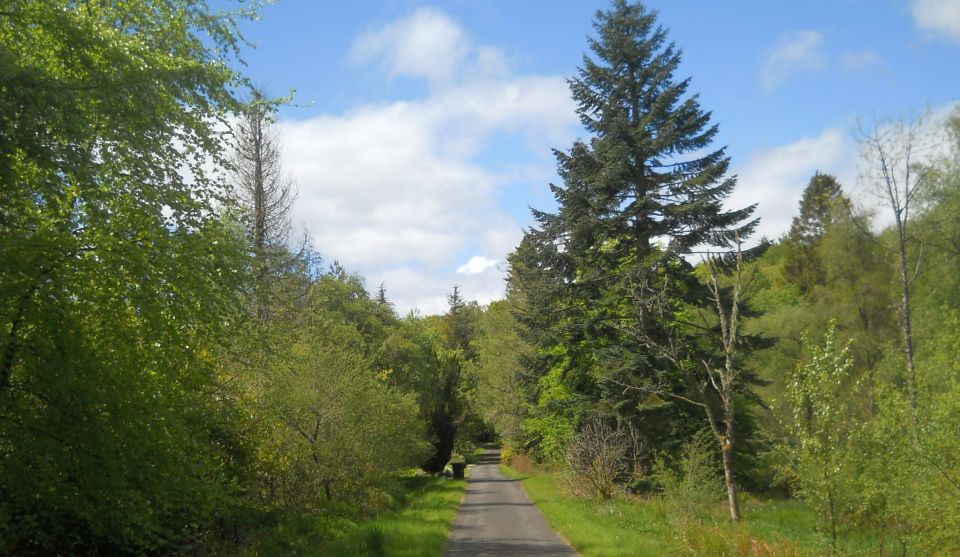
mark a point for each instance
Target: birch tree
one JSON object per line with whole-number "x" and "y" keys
{"x": 892, "y": 154}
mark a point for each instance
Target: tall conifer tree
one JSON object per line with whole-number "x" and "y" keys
{"x": 645, "y": 191}
{"x": 821, "y": 200}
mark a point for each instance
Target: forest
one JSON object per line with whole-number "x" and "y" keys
{"x": 182, "y": 373}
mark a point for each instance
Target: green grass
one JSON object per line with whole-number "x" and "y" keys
{"x": 642, "y": 527}
{"x": 617, "y": 528}
{"x": 417, "y": 522}
{"x": 418, "y": 529}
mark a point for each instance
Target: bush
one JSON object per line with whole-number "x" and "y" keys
{"x": 690, "y": 485}
{"x": 596, "y": 460}
{"x": 506, "y": 455}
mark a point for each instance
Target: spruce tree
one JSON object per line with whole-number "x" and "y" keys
{"x": 819, "y": 200}
{"x": 822, "y": 197}
{"x": 647, "y": 168}
{"x": 642, "y": 194}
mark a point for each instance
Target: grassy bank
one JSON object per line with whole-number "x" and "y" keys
{"x": 655, "y": 527}
{"x": 418, "y": 529}
{"x": 416, "y": 523}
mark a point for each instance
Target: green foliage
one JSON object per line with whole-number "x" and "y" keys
{"x": 117, "y": 283}
{"x": 306, "y": 378}
{"x": 419, "y": 528}
{"x": 415, "y": 524}
{"x": 822, "y": 203}
{"x": 690, "y": 485}
{"x": 912, "y": 491}
{"x": 821, "y": 454}
{"x": 144, "y": 411}
{"x": 502, "y": 383}
{"x": 426, "y": 356}
{"x": 631, "y": 526}
{"x": 318, "y": 450}
{"x": 446, "y": 409}
{"x": 550, "y": 425}
{"x": 600, "y": 278}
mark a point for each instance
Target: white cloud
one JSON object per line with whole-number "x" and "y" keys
{"x": 775, "y": 178}
{"x": 427, "y": 292}
{"x": 796, "y": 52}
{"x": 476, "y": 265}
{"x": 425, "y": 44}
{"x": 854, "y": 61}
{"x": 399, "y": 190}
{"x": 940, "y": 17}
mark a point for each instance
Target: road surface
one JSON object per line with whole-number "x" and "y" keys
{"x": 498, "y": 519}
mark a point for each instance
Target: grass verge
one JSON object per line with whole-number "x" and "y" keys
{"x": 419, "y": 529}
{"x": 417, "y": 523}
{"x": 615, "y": 528}
{"x": 652, "y": 527}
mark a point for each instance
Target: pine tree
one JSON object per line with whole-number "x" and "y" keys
{"x": 446, "y": 409}
{"x": 643, "y": 193}
{"x": 381, "y": 296}
{"x": 821, "y": 199}
{"x": 646, "y": 170}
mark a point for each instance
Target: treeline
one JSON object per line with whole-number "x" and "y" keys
{"x": 641, "y": 315}
{"x": 174, "y": 377}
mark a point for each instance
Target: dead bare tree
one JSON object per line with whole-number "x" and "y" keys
{"x": 265, "y": 194}
{"x": 596, "y": 458}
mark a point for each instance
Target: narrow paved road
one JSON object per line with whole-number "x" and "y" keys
{"x": 498, "y": 519}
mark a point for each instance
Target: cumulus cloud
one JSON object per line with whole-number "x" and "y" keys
{"x": 476, "y": 265}
{"x": 795, "y": 52}
{"x": 428, "y": 43}
{"x": 401, "y": 191}
{"x": 940, "y": 17}
{"x": 775, "y": 178}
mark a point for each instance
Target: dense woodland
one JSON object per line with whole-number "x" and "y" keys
{"x": 180, "y": 373}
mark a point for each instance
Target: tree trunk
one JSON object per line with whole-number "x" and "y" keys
{"x": 733, "y": 498}
{"x": 725, "y": 439}
{"x": 905, "y": 324}
{"x": 259, "y": 211}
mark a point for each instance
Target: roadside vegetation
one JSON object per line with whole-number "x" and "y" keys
{"x": 181, "y": 374}
{"x": 416, "y": 523}
{"x": 692, "y": 389}
{"x": 178, "y": 373}
{"x": 679, "y": 520}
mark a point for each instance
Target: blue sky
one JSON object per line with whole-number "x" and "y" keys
{"x": 422, "y": 131}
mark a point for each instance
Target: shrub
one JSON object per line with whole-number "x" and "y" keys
{"x": 690, "y": 485}
{"x": 596, "y": 459}
{"x": 506, "y": 455}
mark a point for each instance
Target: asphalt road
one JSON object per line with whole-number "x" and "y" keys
{"x": 498, "y": 519}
